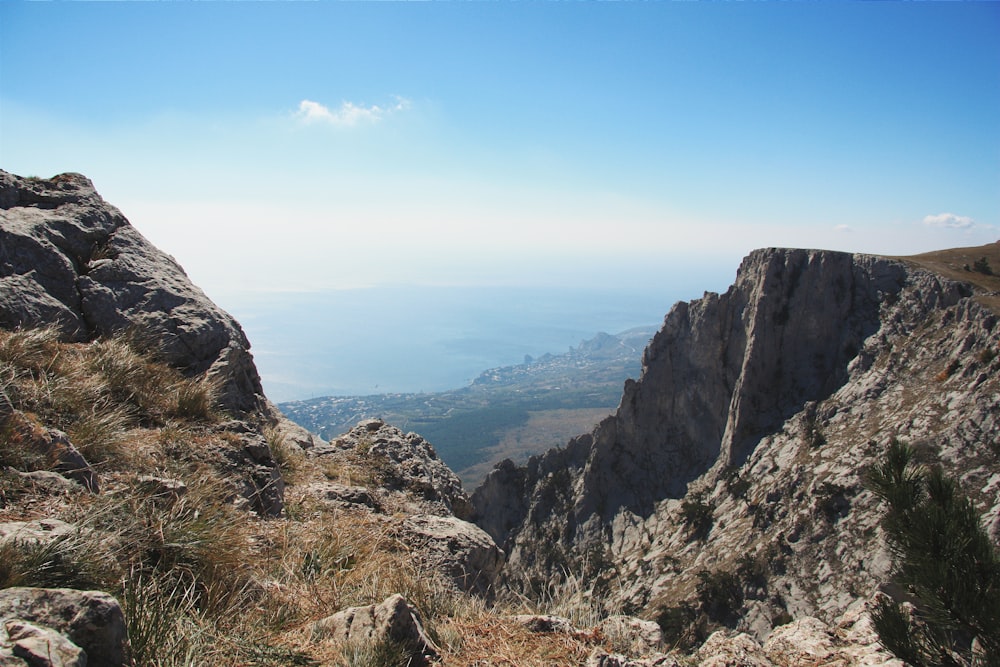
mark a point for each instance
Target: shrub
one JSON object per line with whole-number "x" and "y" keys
{"x": 736, "y": 485}
{"x": 943, "y": 559}
{"x": 720, "y": 594}
{"x": 982, "y": 265}
{"x": 681, "y": 627}
{"x": 697, "y": 514}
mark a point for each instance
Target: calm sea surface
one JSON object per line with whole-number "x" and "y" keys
{"x": 417, "y": 339}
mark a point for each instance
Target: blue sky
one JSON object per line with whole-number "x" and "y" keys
{"x": 309, "y": 146}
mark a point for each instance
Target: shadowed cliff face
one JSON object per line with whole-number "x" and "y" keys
{"x": 738, "y": 387}
{"x": 721, "y": 373}
{"x": 71, "y": 260}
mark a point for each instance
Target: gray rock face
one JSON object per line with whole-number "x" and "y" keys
{"x": 768, "y": 402}
{"x": 394, "y": 619}
{"x": 90, "y": 620}
{"x": 456, "y": 548}
{"x": 69, "y": 259}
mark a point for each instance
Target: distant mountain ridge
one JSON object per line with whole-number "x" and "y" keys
{"x": 476, "y": 426}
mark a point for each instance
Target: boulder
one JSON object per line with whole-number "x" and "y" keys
{"x": 36, "y": 531}
{"x": 640, "y": 636}
{"x": 46, "y": 481}
{"x": 343, "y": 496}
{"x": 392, "y": 620}
{"x": 456, "y": 548}
{"x": 90, "y": 619}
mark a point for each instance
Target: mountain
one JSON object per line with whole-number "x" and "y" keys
{"x": 508, "y": 412}
{"x": 154, "y": 505}
{"x": 728, "y": 489}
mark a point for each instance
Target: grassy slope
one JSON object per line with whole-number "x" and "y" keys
{"x": 951, "y": 264}
{"x": 197, "y": 575}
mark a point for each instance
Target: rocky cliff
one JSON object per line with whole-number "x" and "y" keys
{"x": 71, "y": 260}
{"x": 727, "y": 489}
{"x": 737, "y": 459}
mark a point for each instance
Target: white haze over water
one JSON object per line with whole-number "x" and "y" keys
{"x": 427, "y": 339}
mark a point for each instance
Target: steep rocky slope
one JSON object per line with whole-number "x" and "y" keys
{"x": 728, "y": 488}
{"x": 139, "y": 458}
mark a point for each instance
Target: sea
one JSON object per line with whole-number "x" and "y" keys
{"x": 415, "y": 339}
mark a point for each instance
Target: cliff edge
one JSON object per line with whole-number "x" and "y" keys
{"x": 739, "y": 454}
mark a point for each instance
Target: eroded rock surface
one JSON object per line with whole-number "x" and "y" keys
{"x": 405, "y": 463}
{"x": 91, "y": 620}
{"x": 735, "y": 464}
{"x": 71, "y": 260}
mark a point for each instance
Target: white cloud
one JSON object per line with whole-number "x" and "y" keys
{"x": 949, "y": 220}
{"x": 843, "y": 229}
{"x": 349, "y": 114}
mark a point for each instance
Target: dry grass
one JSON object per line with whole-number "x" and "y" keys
{"x": 202, "y": 582}
{"x": 952, "y": 264}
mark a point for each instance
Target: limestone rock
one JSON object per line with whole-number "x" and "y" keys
{"x": 69, "y": 461}
{"x": 394, "y": 619}
{"x": 91, "y": 620}
{"x": 456, "y": 548}
{"x": 640, "y": 636}
{"x": 37, "y": 531}
{"x": 43, "y": 647}
{"x": 53, "y": 446}
{"x": 723, "y": 649}
{"x": 72, "y": 260}
{"x": 344, "y": 495}
{"x": 764, "y": 406}
{"x": 253, "y": 468}
{"x": 47, "y": 481}
{"x": 405, "y": 463}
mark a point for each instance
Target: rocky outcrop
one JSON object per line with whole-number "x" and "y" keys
{"x": 71, "y": 260}
{"x": 89, "y": 620}
{"x": 734, "y": 466}
{"x": 418, "y": 494}
{"x": 406, "y": 463}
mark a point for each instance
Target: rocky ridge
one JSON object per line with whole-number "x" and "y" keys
{"x": 729, "y": 484}
{"x": 754, "y": 512}
{"x": 71, "y": 260}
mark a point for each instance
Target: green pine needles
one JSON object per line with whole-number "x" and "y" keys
{"x": 946, "y": 570}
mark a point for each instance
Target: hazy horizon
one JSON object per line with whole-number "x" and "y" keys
{"x": 420, "y": 339}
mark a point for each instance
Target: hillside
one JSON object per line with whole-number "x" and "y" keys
{"x": 156, "y": 509}
{"x": 510, "y": 412}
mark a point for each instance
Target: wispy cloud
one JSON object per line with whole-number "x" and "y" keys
{"x": 843, "y": 229}
{"x": 348, "y": 114}
{"x": 950, "y": 221}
